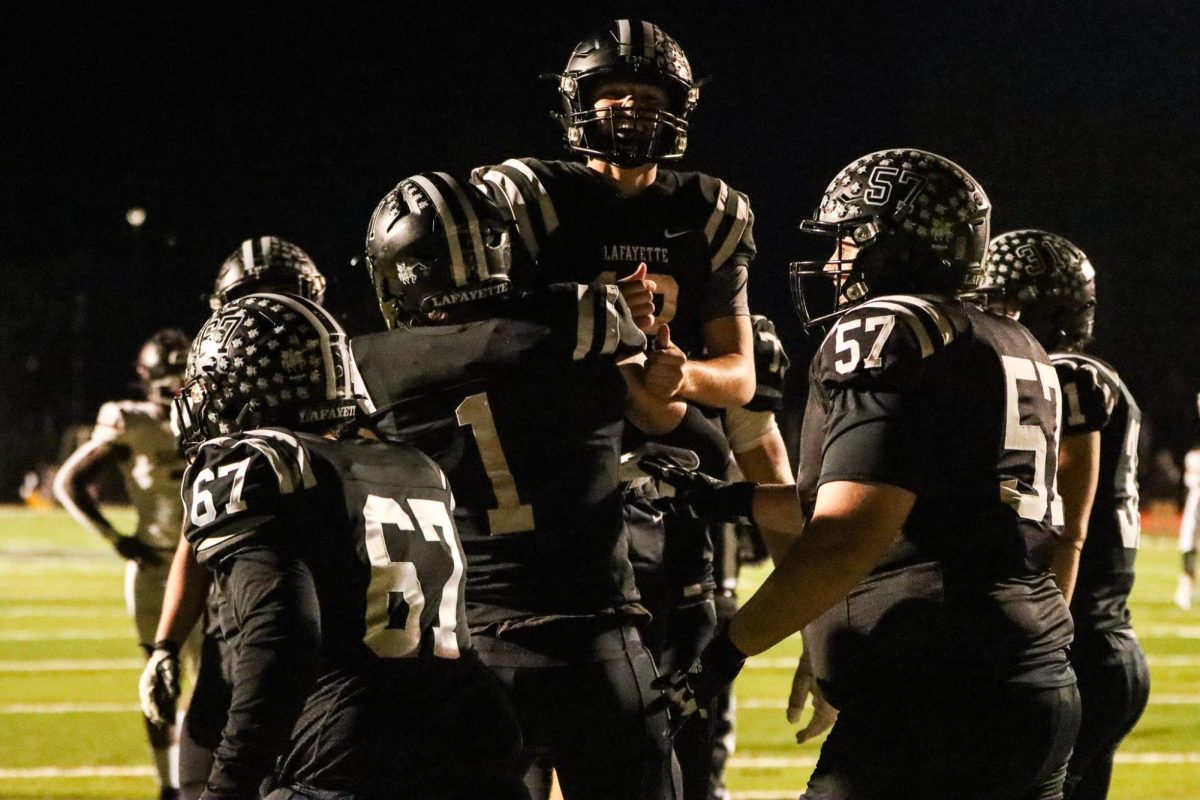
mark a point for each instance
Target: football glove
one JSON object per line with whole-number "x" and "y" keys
{"x": 700, "y": 496}
{"x": 694, "y": 692}
{"x": 134, "y": 549}
{"x": 805, "y": 685}
{"x": 690, "y": 626}
{"x": 158, "y": 688}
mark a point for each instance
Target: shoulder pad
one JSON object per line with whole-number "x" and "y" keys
{"x": 518, "y": 188}
{"x": 884, "y": 343}
{"x": 1191, "y": 469}
{"x": 1089, "y": 396}
{"x": 730, "y": 225}
{"x": 238, "y": 484}
{"x": 110, "y": 422}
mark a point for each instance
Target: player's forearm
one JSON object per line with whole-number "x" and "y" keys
{"x": 185, "y": 595}
{"x": 852, "y": 527}
{"x": 1078, "y": 478}
{"x": 768, "y": 463}
{"x": 71, "y": 489}
{"x": 778, "y": 508}
{"x": 649, "y": 413}
{"x": 722, "y": 382}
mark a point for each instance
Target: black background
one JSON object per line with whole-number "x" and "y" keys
{"x": 229, "y": 120}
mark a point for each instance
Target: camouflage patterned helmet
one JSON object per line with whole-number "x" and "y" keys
{"x": 1049, "y": 280}
{"x": 919, "y": 222}
{"x": 266, "y": 359}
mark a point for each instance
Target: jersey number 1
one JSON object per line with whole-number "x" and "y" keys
{"x": 510, "y": 514}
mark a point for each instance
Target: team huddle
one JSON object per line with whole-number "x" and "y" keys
{"x": 495, "y": 545}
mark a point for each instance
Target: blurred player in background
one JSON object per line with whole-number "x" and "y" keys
{"x": 1185, "y": 589}
{"x": 1048, "y": 283}
{"x": 135, "y": 436}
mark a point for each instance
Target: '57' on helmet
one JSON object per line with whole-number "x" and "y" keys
{"x": 900, "y": 221}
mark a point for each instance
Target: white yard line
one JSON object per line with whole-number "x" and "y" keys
{"x": 790, "y": 663}
{"x": 808, "y": 762}
{"x": 759, "y": 703}
{"x": 70, "y": 708}
{"x": 34, "y": 773}
{"x": 62, "y": 636}
{"x": 62, "y": 611}
{"x": 73, "y": 665}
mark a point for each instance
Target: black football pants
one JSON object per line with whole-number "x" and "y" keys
{"x": 1114, "y": 685}
{"x": 583, "y": 696}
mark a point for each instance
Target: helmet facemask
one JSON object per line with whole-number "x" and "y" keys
{"x": 627, "y": 52}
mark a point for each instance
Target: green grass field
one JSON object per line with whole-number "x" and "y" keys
{"x": 69, "y": 725}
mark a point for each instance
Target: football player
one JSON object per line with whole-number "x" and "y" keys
{"x": 1185, "y": 589}
{"x": 927, "y": 466}
{"x": 260, "y": 264}
{"x": 677, "y": 243}
{"x": 340, "y": 573}
{"x": 136, "y": 437}
{"x": 1048, "y": 283}
{"x": 518, "y": 397}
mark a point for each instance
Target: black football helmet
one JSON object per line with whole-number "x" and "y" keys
{"x": 918, "y": 221}
{"x": 161, "y": 363}
{"x": 265, "y": 359}
{"x": 1048, "y": 280}
{"x": 636, "y": 51}
{"x": 436, "y": 244}
{"x": 267, "y": 264}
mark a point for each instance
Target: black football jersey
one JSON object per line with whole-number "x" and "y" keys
{"x": 524, "y": 414}
{"x": 368, "y": 527}
{"x": 960, "y": 407}
{"x": 693, "y": 231}
{"x": 1096, "y": 399}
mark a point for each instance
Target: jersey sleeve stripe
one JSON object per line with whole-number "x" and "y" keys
{"x": 298, "y": 453}
{"x": 585, "y": 330}
{"x": 910, "y": 317}
{"x": 612, "y": 319}
{"x": 538, "y": 192}
{"x": 718, "y": 214}
{"x": 736, "y": 229}
{"x": 944, "y": 326}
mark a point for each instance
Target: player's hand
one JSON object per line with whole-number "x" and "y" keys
{"x": 664, "y": 366}
{"x": 134, "y": 549}
{"x": 699, "y": 495}
{"x": 158, "y": 688}
{"x": 638, "y": 291}
{"x": 804, "y": 685}
{"x": 693, "y": 693}
{"x": 690, "y": 627}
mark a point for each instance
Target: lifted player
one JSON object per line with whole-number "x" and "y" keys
{"x": 927, "y": 465}
{"x": 340, "y": 573}
{"x": 136, "y": 437}
{"x": 517, "y": 395}
{"x": 1048, "y": 284}
{"x": 677, "y": 243}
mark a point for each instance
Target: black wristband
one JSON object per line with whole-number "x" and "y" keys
{"x": 722, "y": 660}
{"x": 168, "y": 645}
{"x": 735, "y": 503}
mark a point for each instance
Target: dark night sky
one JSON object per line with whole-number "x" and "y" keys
{"x": 226, "y": 120}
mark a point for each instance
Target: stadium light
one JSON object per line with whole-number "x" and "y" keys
{"x": 136, "y": 217}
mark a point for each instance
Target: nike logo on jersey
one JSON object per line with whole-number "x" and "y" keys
{"x": 635, "y": 253}
{"x": 670, "y": 234}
